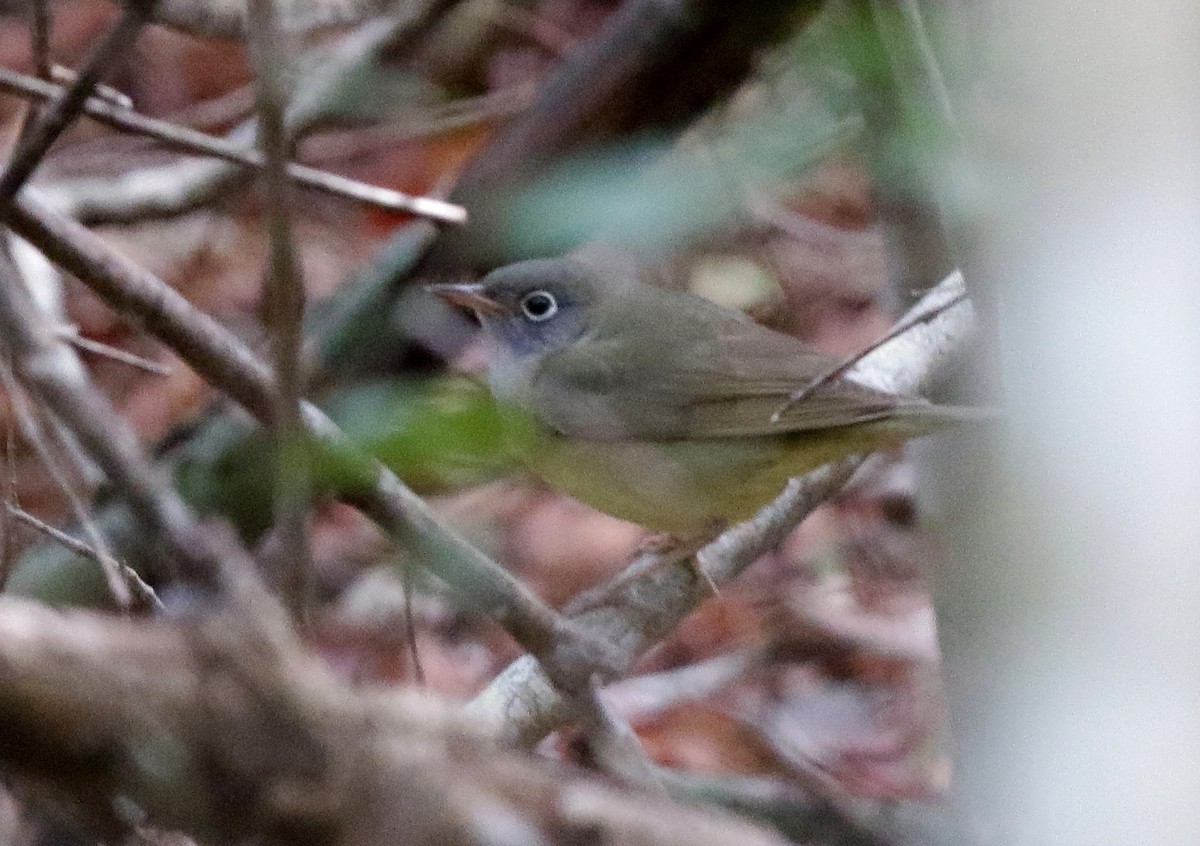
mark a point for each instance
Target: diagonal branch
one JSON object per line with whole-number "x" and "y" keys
{"x": 53, "y": 376}
{"x": 50, "y": 124}
{"x": 145, "y": 594}
{"x": 123, "y": 583}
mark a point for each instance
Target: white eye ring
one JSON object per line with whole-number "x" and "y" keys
{"x": 539, "y": 305}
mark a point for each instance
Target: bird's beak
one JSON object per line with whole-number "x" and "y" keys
{"x": 468, "y": 295}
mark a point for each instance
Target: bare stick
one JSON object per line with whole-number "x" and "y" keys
{"x": 614, "y": 742}
{"x": 188, "y": 140}
{"x": 39, "y": 46}
{"x": 915, "y": 64}
{"x": 71, "y": 335}
{"x": 146, "y": 594}
{"x": 67, "y": 77}
{"x": 8, "y": 547}
{"x": 226, "y": 363}
{"x": 39, "y": 38}
{"x": 51, "y": 123}
{"x": 284, "y": 300}
{"x": 410, "y": 625}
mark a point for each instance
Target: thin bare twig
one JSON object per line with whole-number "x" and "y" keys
{"x": 71, "y": 335}
{"x": 122, "y": 591}
{"x": 912, "y": 320}
{"x": 39, "y": 38}
{"x": 145, "y": 594}
{"x": 410, "y": 625}
{"x": 191, "y": 141}
{"x": 51, "y": 123}
{"x": 915, "y": 65}
{"x": 67, "y": 77}
{"x": 39, "y": 46}
{"x": 8, "y": 547}
{"x": 284, "y": 301}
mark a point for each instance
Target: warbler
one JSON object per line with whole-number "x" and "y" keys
{"x": 660, "y": 407}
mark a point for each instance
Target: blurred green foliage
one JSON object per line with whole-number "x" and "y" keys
{"x": 437, "y": 435}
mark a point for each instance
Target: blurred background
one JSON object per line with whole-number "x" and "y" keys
{"x": 817, "y": 165}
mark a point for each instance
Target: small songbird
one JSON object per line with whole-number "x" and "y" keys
{"x": 660, "y": 407}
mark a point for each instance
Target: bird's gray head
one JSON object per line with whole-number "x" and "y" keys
{"x": 530, "y": 307}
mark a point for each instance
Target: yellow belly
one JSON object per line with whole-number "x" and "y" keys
{"x": 681, "y": 486}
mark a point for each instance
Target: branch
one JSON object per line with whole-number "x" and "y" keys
{"x": 71, "y": 335}
{"x": 284, "y": 300}
{"x": 50, "y": 124}
{"x": 189, "y": 140}
{"x": 146, "y": 596}
{"x": 123, "y": 583}
{"x": 638, "y": 607}
{"x": 211, "y": 729}
{"x": 52, "y": 373}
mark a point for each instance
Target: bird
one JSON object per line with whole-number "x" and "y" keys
{"x": 660, "y": 407}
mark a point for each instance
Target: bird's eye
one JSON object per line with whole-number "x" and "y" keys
{"x": 539, "y": 305}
